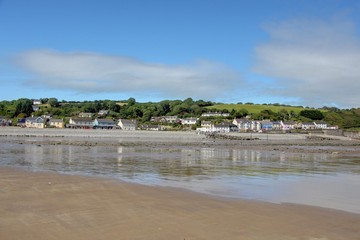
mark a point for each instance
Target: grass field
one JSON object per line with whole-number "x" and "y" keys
{"x": 255, "y": 108}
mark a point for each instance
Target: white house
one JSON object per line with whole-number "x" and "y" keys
{"x": 225, "y": 127}
{"x": 189, "y": 121}
{"x": 126, "y": 124}
{"x": 36, "y": 102}
{"x": 321, "y": 125}
{"x": 104, "y": 123}
{"x": 206, "y": 124}
{"x": 308, "y": 125}
{"x": 288, "y": 125}
{"x": 242, "y": 124}
{"x": 86, "y": 115}
{"x": 81, "y": 123}
{"x": 215, "y": 114}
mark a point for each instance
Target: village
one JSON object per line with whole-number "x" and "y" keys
{"x": 87, "y": 121}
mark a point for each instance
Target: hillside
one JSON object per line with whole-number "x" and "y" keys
{"x": 144, "y": 112}
{"x": 256, "y": 108}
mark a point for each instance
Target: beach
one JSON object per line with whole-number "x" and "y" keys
{"x": 46, "y": 204}
{"x": 55, "y": 206}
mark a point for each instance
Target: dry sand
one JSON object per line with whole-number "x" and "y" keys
{"x": 54, "y": 206}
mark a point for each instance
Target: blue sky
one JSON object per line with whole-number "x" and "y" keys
{"x": 262, "y": 51}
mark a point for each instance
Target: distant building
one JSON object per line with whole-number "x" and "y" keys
{"x": 35, "y": 108}
{"x": 104, "y": 123}
{"x": 126, "y": 124}
{"x": 35, "y": 122}
{"x": 36, "y": 102}
{"x": 320, "y": 125}
{"x": 207, "y": 124}
{"x": 308, "y": 126}
{"x": 215, "y": 114}
{"x": 4, "y": 121}
{"x": 103, "y": 113}
{"x": 289, "y": 125}
{"x": 225, "y": 127}
{"x": 151, "y": 127}
{"x": 165, "y": 119}
{"x": 266, "y": 125}
{"x": 21, "y": 122}
{"x": 189, "y": 121}
{"x": 57, "y": 123}
{"x": 85, "y": 123}
{"x": 86, "y": 115}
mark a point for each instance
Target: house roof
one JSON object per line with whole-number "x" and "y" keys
{"x": 56, "y": 120}
{"x": 127, "y": 122}
{"x": 82, "y": 119}
{"x": 105, "y": 121}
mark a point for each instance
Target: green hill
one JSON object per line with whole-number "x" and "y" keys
{"x": 256, "y": 108}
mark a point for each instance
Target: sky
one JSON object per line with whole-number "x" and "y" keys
{"x": 296, "y": 52}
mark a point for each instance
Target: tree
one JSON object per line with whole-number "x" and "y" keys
{"x": 23, "y": 105}
{"x": 312, "y": 114}
{"x": 53, "y": 102}
{"x": 131, "y": 101}
{"x": 267, "y": 114}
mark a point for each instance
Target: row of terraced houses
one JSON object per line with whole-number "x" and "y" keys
{"x": 246, "y": 125}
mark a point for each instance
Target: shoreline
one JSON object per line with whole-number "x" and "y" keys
{"x": 268, "y": 142}
{"x": 44, "y": 205}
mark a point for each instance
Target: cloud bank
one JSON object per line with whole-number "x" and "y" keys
{"x": 95, "y": 73}
{"x": 315, "y": 61}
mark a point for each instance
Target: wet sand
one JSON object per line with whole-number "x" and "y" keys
{"x": 55, "y": 206}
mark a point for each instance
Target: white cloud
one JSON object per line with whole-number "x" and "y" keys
{"x": 96, "y": 73}
{"x": 315, "y": 61}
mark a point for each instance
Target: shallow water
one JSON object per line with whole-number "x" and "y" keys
{"x": 317, "y": 179}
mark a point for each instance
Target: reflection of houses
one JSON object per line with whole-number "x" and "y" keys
{"x": 81, "y": 123}
{"x": 189, "y": 121}
{"x": 57, "y": 123}
{"x": 126, "y": 124}
{"x": 35, "y": 122}
{"x": 171, "y": 119}
{"x": 104, "y": 123}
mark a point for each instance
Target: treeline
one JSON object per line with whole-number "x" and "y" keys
{"x": 143, "y": 112}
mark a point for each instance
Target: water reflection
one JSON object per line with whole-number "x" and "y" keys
{"x": 180, "y": 162}
{"x": 265, "y": 175}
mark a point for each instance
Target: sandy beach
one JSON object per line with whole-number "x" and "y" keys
{"x": 49, "y": 205}
{"x": 55, "y": 206}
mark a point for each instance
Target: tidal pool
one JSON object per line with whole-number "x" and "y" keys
{"x": 318, "y": 179}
